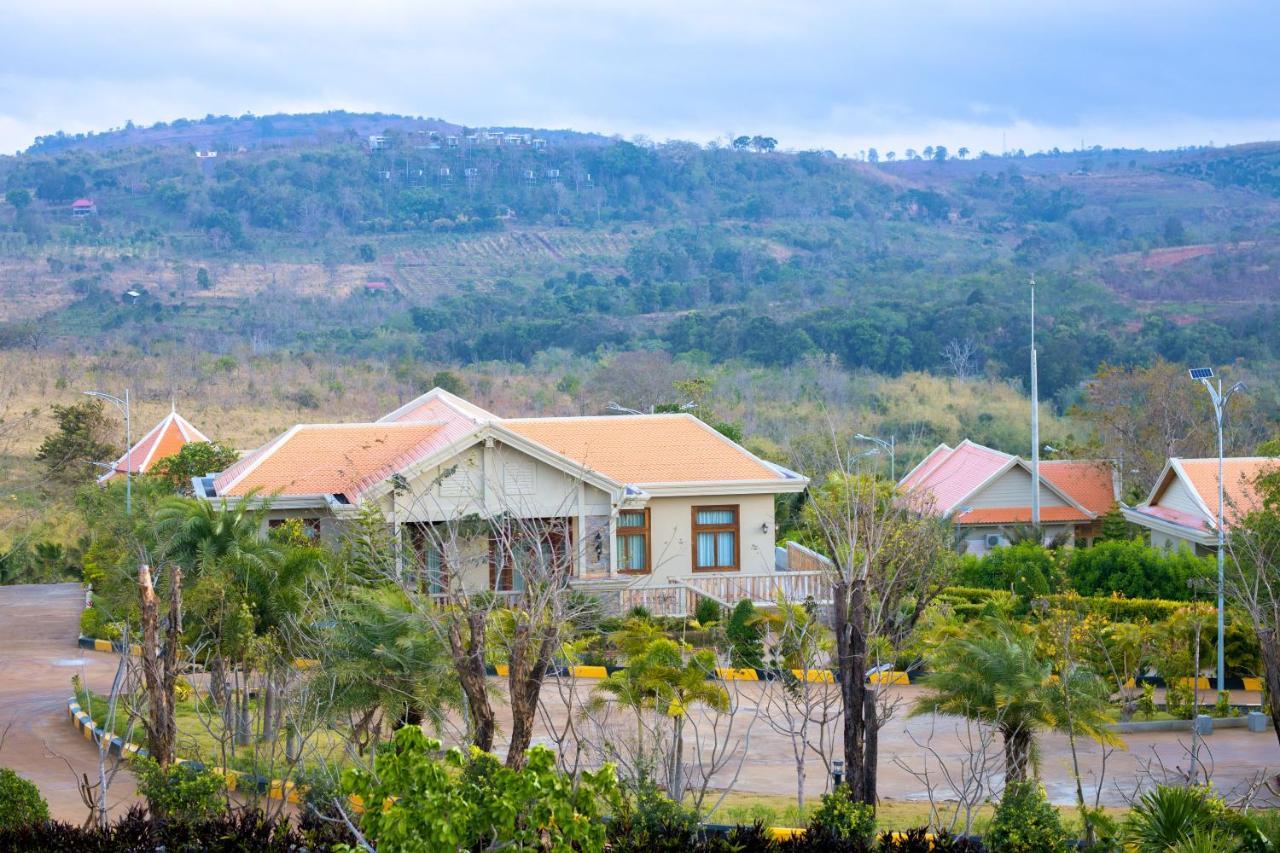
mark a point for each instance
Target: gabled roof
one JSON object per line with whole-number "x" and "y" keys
{"x": 1200, "y": 476}
{"x": 437, "y": 404}
{"x": 164, "y": 439}
{"x": 332, "y": 459}
{"x": 949, "y": 477}
{"x": 648, "y": 450}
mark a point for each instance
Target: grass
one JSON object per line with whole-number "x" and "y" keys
{"x": 780, "y": 810}
{"x": 201, "y": 736}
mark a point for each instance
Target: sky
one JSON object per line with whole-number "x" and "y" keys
{"x": 844, "y": 76}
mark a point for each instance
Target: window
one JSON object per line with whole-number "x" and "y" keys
{"x": 715, "y": 538}
{"x": 633, "y": 541}
{"x": 429, "y": 566}
{"x": 541, "y": 547}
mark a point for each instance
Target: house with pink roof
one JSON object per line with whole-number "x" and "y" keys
{"x": 986, "y": 493}
{"x": 1181, "y": 511}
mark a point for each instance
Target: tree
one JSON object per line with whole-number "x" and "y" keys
{"x": 742, "y": 143}
{"x": 873, "y": 156}
{"x": 1144, "y": 415}
{"x": 992, "y": 672}
{"x": 962, "y": 152}
{"x": 1174, "y": 232}
{"x": 202, "y": 279}
{"x": 1254, "y": 581}
{"x": 18, "y": 197}
{"x": 84, "y": 436}
{"x": 940, "y": 153}
{"x": 888, "y": 561}
{"x": 196, "y": 459}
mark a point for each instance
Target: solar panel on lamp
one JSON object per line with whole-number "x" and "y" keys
{"x": 1201, "y": 372}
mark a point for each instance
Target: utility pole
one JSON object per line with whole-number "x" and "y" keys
{"x": 1035, "y": 417}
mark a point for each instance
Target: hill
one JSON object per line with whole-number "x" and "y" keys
{"x": 389, "y": 238}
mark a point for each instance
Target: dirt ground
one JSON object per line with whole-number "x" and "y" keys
{"x": 38, "y": 656}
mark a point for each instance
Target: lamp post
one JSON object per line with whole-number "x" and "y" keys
{"x": 890, "y": 446}
{"x": 1035, "y": 421}
{"x": 123, "y": 403}
{"x": 1220, "y": 399}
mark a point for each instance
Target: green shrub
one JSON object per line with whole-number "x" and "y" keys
{"x": 708, "y": 611}
{"x": 1025, "y": 822}
{"x": 1169, "y": 816}
{"x": 648, "y": 821}
{"x": 842, "y": 817}
{"x": 1147, "y": 701}
{"x": 746, "y": 641}
{"x": 20, "y": 801}
{"x": 1134, "y": 570}
{"x": 94, "y": 624}
{"x": 182, "y": 792}
{"x": 1026, "y": 568}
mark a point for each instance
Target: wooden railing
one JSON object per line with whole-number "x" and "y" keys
{"x": 680, "y": 597}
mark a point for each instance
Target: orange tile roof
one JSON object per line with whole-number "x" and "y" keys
{"x": 164, "y": 439}
{"x": 1238, "y": 477}
{"x": 644, "y": 449}
{"x": 1088, "y": 482}
{"x": 1019, "y": 515}
{"x": 315, "y": 459}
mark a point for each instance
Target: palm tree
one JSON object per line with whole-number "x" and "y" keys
{"x": 382, "y": 661}
{"x": 197, "y": 534}
{"x": 993, "y": 673}
{"x": 669, "y": 678}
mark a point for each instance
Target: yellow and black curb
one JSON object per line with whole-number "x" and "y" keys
{"x": 275, "y": 789}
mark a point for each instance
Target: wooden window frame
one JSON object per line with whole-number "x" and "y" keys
{"x": 735, "y": 529}
{"x": 645, "y": 531}
{"x": 553, "y": 527}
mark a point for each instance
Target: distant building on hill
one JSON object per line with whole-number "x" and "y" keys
{"x": 83, "y": 207}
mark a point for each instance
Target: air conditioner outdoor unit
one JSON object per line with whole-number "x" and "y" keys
{"x": 993, "y": 540}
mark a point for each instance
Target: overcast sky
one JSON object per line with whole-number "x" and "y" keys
{"x": 850, "y": 75}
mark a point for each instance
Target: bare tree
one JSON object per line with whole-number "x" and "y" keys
{"x": 957, "y": 789}
{"x": 160, "y": 663}
{"x": 960, "y": 356}
{"x": 888, "y": 560}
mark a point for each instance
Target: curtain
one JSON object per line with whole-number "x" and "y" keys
{"x": 716, "y": 516}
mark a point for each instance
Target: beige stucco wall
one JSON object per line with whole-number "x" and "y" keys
{"x": 671, "y": 532}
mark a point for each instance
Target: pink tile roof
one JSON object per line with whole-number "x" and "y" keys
{"x": 948, "y": 475}
{"x": 1019, "y": 515}
{"x": 1090, "y": 482}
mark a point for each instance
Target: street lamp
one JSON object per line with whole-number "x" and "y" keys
{"x": 890, "y": 446}
{"x": 1220, "y": 399}
{"x": 128, "y": 443}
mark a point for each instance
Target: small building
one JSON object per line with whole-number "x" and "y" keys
{"x": 377, "y": 143}
{"x": 1181, "y": 511}
{"x": 164, "y": 439}
{"x": 206, "y": 155}
{"x": 538, "y": 144}
{"x": 377, "y": 285}
{"x": 83, "y": 207}
{"x": 987, "y": 494}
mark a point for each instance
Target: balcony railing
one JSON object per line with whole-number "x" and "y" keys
{"x": 680, "y": 598}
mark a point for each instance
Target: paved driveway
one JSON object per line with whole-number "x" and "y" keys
{"x": 38, "y": 656}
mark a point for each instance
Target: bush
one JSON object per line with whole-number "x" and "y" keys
{"x": 1134, "y": 570}
{"x": 1169, "y": 816}
{"x": 20, "y": 802}
{"x": 1026, "y": 568}
{"x": 90, "y": 622}
{"x": 842, "y": 817}
{"x": 1025, "y": 821}
{"x": 182, "y": 792}
{"x": 138, "y": 831}
{"x": 650, "y": 822}
{"x": 746, "y": 642}
{"x": 708, "y": 611}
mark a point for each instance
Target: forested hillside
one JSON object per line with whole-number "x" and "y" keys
{"x": 385, "y": 237}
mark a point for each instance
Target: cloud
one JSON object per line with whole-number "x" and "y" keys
{"x": 840, "y": 75}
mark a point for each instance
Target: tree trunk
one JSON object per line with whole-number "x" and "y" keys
{"x": 871, "y": 737}
{"x": 217, "y": 681}
{"x": 468, "y": 661}
{"x": 269, "y": 709}
{"x": 1270, "y": 644}
{"x": 530, "y": 659}
{"x": 1017, "y": 753}
{"x": 159, "y": 665}
{"x": 851, "y": 654}
{"x": 675, "y": 785}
